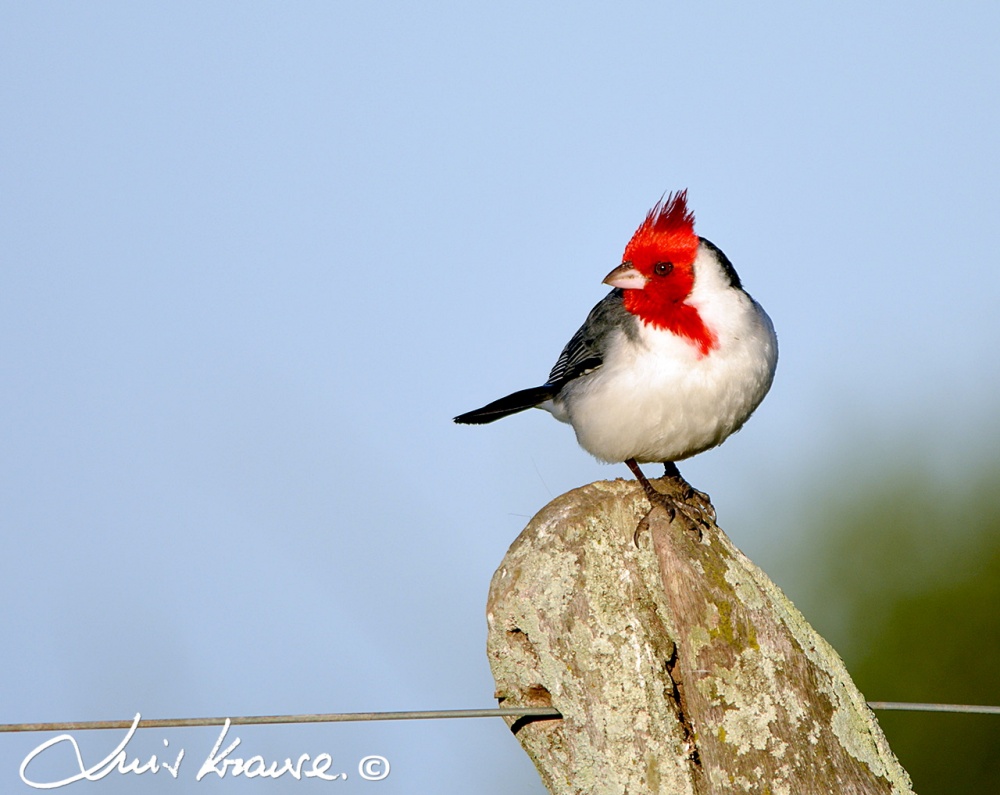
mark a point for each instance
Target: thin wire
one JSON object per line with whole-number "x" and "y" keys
{"x": 343, "y": 717}
{"x": 913, "y": 707}
{"x": 333, "y": 717}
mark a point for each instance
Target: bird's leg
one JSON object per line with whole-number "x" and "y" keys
{"x": 683, "y": 499}
{"x": 700, "y": 512}
{"x": 688, "y": 492}
{"x": 654, "y": 496}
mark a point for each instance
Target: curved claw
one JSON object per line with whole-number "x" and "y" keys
{"x": 702, "y": 503}
{"x": 695, "y": 505}
{"x": 694, "y": 514}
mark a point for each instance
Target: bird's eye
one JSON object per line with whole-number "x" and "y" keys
{"x": 663, "y": 268}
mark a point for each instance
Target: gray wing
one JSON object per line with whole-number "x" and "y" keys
{"x": 586, "y": 349}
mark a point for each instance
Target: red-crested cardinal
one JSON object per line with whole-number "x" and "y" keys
{"x": 672, "y": 361}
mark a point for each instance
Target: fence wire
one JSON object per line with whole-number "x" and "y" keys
{"x": 539, "y": 713}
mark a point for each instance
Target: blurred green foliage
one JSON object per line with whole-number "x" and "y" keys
{"x": 901, "y": 573}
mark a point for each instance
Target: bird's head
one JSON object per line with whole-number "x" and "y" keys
{"x": 657, "y": 271}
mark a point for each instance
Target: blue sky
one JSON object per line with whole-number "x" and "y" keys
{"x": 255, "y": 257}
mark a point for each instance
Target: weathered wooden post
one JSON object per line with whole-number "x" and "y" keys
{"x": 677, "y": 665}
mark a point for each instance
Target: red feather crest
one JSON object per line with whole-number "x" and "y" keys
{"x": 669, "y": 227}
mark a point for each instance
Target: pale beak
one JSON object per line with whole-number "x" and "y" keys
{"x": 625, "y": 277}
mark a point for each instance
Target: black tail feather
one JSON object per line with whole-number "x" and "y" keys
{"x": 505, "y": 406}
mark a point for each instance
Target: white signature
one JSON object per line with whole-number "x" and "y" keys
{"x": 222, "y": 763}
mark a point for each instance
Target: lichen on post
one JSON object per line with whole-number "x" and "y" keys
{"x": 677, "y": 665}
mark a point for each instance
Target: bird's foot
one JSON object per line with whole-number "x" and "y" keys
{"x": 695, "y": 517}
{"x": 698, "y": 506}
{"x": 694, "y": 501}
{"x": 693, "y": 505}
{"x": 701, "y": 512}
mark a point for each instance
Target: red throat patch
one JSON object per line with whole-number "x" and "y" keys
{"x": 663, "y": 249}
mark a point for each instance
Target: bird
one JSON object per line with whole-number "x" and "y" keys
{"x": 667, "y": 365}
